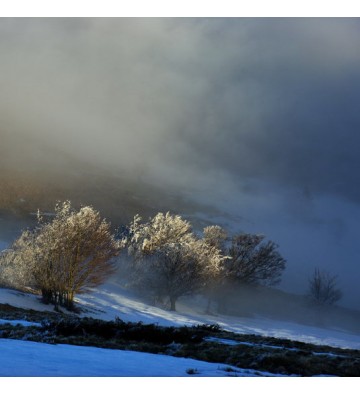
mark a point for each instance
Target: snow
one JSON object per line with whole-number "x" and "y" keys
{"x": 26, "y": 359}
{"x": 19, "y": 322}
{"x": 23, "y": 358}
{"x": 227, "y": 342}
{"x": 22, "y": 300}
{"x": 111, "y": 300}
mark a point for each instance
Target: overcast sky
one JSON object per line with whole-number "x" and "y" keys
{"x": 260, "y": 116}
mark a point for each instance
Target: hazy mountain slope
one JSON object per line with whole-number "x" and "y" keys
{"x": 34, "y": 175}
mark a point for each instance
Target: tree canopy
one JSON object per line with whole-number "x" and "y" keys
{"x": 169, "y": 260}
{"x": 68, "y": 255}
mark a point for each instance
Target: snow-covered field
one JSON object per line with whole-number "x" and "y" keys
{"x": 111, "y": 300}
{"x": 108, "y": 302}
{"x": 27, "y": 359}
{"x": 23, "y": 358}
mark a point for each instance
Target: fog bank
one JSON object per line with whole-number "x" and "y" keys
{"x": 255, "y": 116}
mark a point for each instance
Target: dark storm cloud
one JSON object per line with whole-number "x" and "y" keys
{"x": 258, "y": 115}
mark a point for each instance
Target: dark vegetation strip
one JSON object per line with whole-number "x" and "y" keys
{"x": 287, "y": 357}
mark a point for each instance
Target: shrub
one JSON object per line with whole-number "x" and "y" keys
{"x": 67, "y": 256}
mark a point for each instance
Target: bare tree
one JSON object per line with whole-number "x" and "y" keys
{"x": 169, "y": 260}
{"x": 253, "y": 261}
{"x": 67, "y": 256}
{"x": 248, "y": 260}
{"x": 323, "y": 288}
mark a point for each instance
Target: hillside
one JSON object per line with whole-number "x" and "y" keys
{"x": 239, "y": 346}
{"x": 111, "y": 300}
{"x": 265, "y": 332}
{"x": 35, "y": 175}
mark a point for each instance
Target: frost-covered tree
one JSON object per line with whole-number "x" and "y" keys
{"x": 169, "y": 260}
{"x": 253, "y": 261}
{"x": 215, "y": 236}
{"x": 67, "y": 256}
{"x": 15, "y": 266}
{"x": 323, "y": 288}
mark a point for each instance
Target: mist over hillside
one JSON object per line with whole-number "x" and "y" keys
{"x": 251, "y": 123}
{"x": 36, "y": 175}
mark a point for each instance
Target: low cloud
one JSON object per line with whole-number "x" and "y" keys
{"x": 258, "y": 116}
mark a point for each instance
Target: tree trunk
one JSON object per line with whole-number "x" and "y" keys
{"x": 222, "y": 306}
{"x": 208, "y": 307}
{"x": 46, "y": 296}
{"x": 173, "y": 303}
{"x": 69, "y": 300}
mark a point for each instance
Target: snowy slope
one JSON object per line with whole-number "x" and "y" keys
{"x": 110, "y": 301}
{"x": 27, "y": 359}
